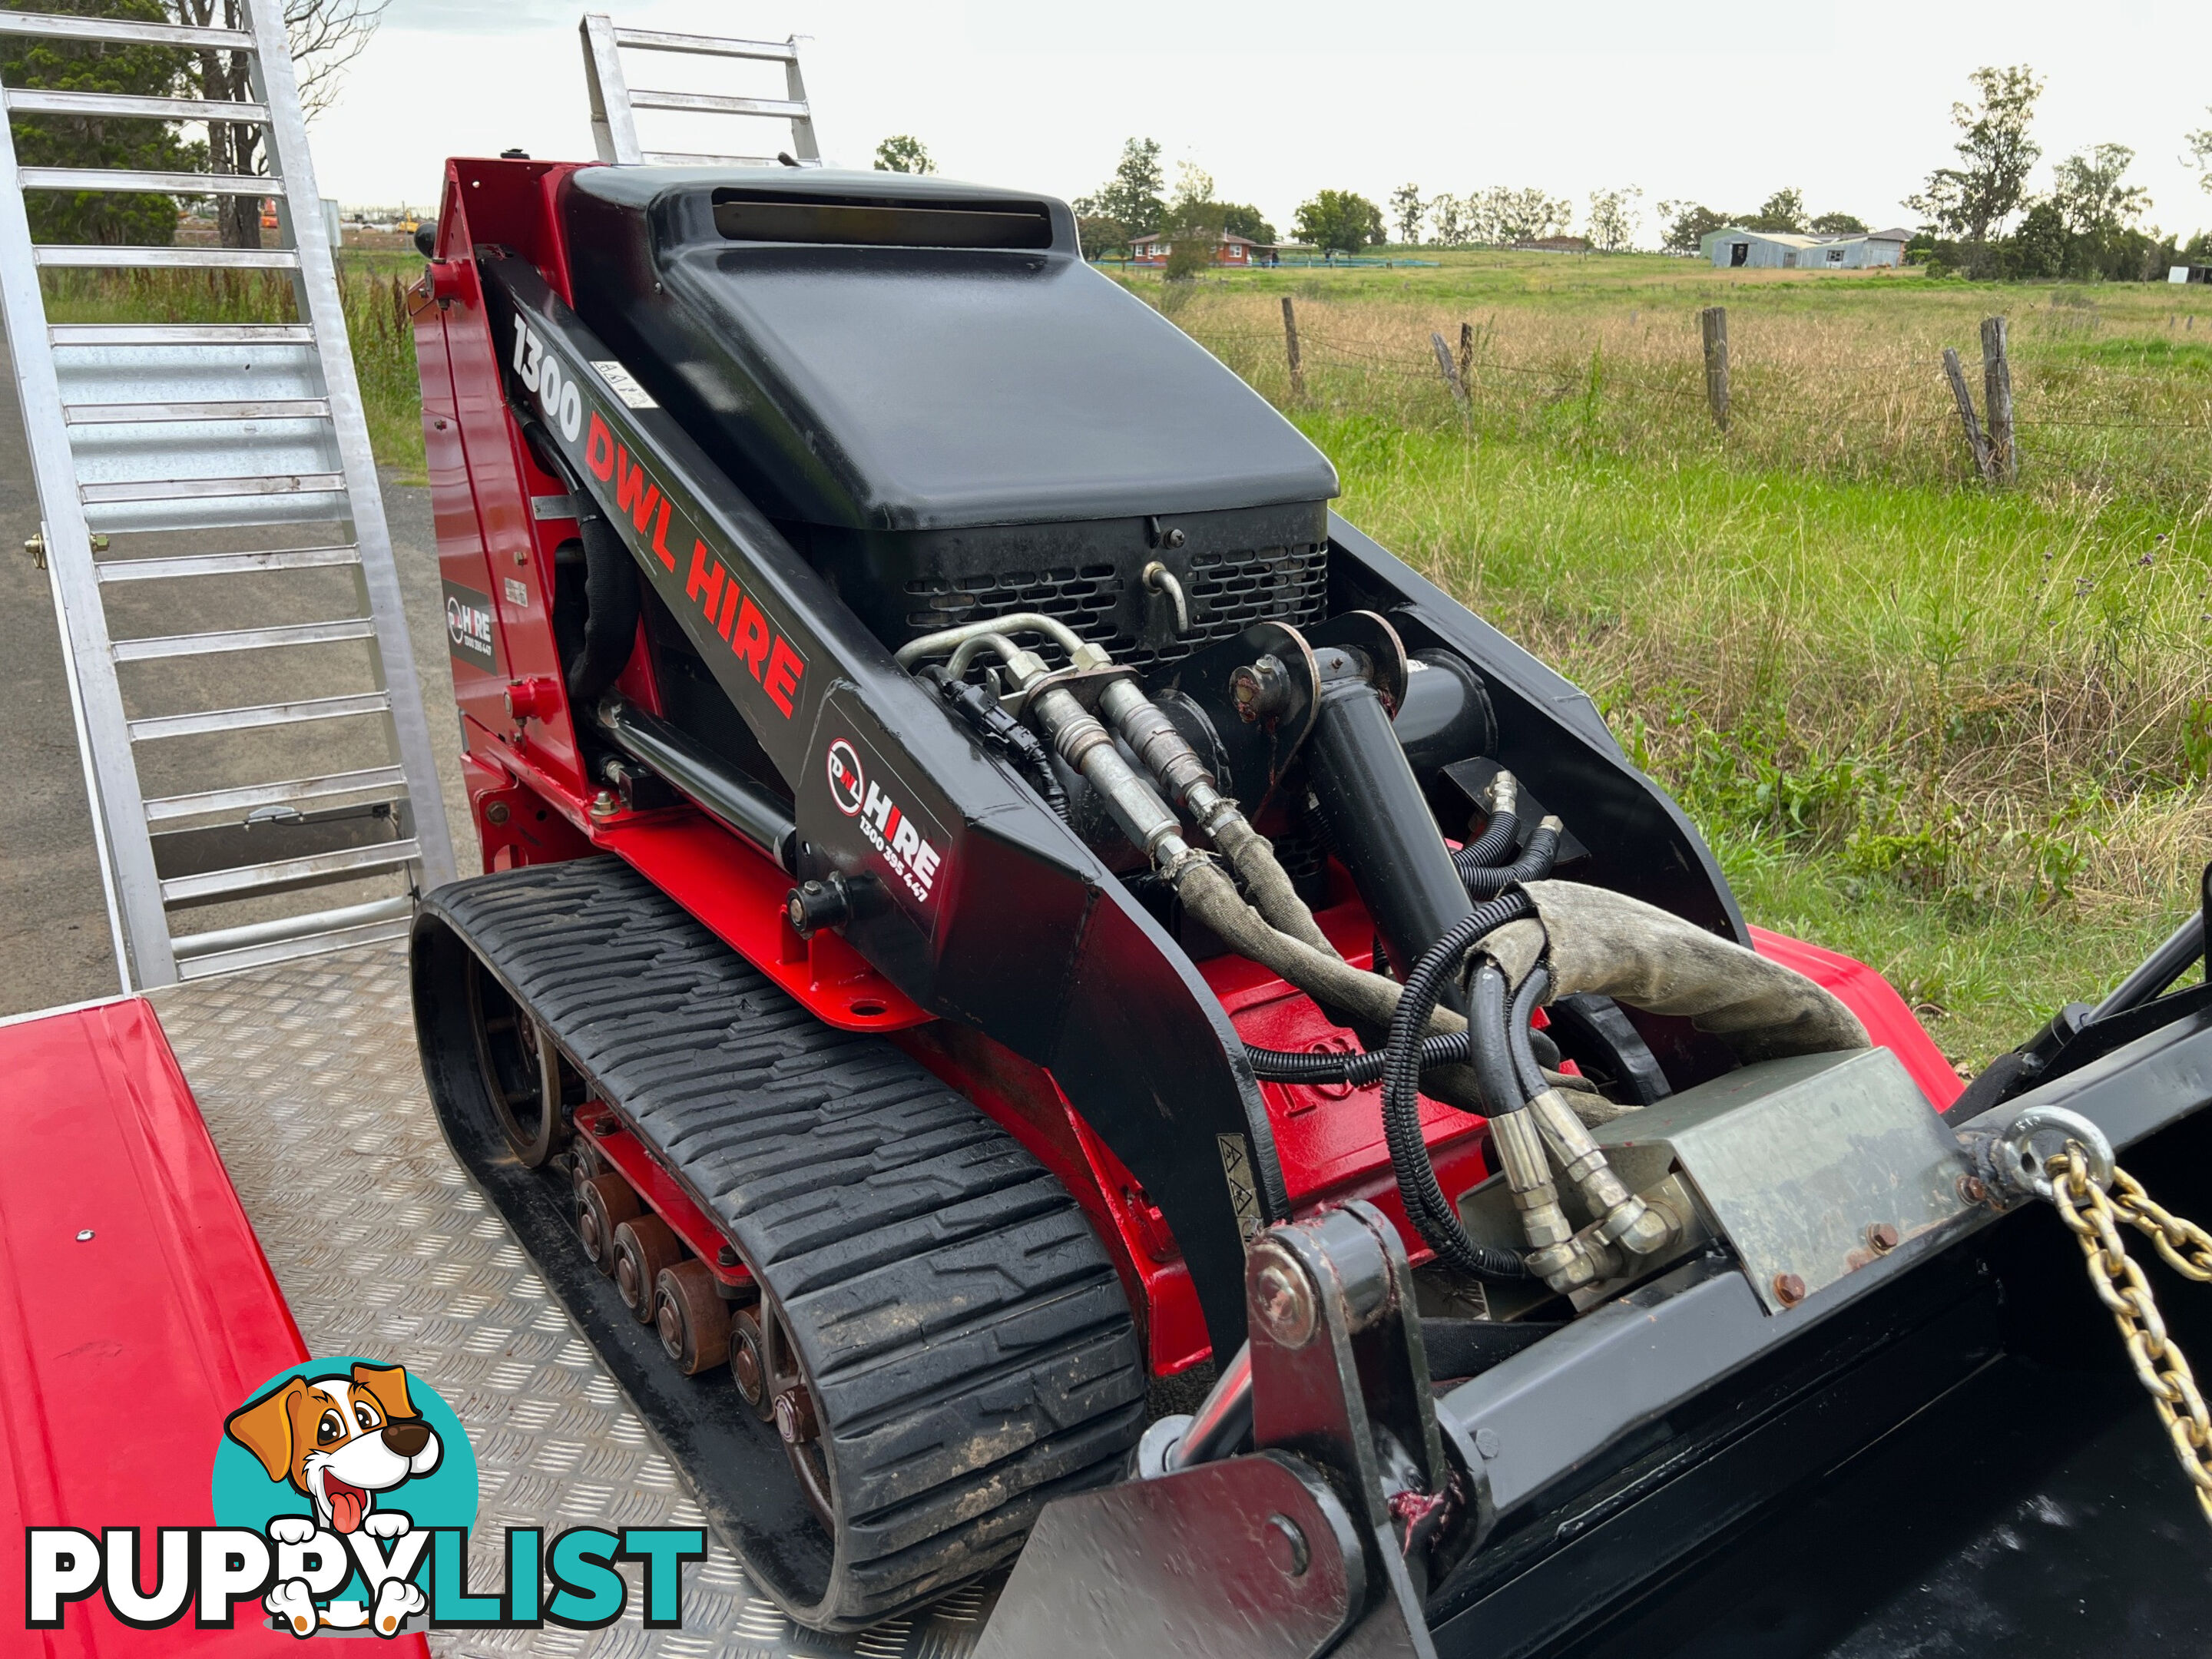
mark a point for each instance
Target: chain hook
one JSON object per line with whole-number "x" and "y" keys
{"x": 2024, "y": 1172}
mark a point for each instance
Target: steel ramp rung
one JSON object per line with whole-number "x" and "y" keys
{"x": 148, "y": 728}
{"x": 705, "y": 45}
{"x": 223, "y": 950}
{"x": 65, "y": 335}
{"x": 174, "y": 565}
{"x": 370, "y": 782}
{"x": 37, "y": 101}
{"x": 271, "y": 409}
{"x": 162, "y": 647}
{"x": 123, "y": 178}
{"x": 116, "y": 32}
{"x": 341, "y": 865}
{"x": 182, "y": 489}
{"x": 101, "y": 257}
{"x": 715, "y": 103}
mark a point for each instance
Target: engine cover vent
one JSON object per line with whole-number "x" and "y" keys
{"x": 1228, "y": 592}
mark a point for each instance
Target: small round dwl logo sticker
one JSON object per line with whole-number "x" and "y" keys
{"x": 350, "y": 1467}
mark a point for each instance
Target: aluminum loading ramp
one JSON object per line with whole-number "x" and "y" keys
{"x": 145, "y": 438}
{"x": 306, "y": 1075}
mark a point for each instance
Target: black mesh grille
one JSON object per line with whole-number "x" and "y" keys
{"x": 1228, "y": 592}
{"x": 1086, "y": 599}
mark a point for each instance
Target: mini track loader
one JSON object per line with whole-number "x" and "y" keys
{"x": 1043, "y": 999}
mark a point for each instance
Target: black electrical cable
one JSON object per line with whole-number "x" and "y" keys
{"x": 1284, "y": 1066}
{"x": 996, "y": 726}
{"x": 1533, "y": 865}
{"x": 1426, "y": 1207}
{"x": 1494, "y": 843}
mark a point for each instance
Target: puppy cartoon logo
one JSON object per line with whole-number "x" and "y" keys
{"x": 353, "y": 1444}
{"x": 848, "y": 785}
{"x": 341, "y": 1440}
{"x": 343, "y": 1492}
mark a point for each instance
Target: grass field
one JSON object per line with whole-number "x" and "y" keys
{"x": 1961, "y": 732}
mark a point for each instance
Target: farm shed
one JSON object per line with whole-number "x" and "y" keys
{"x": 1732, "y": 246}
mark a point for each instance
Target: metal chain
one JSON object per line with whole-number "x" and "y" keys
{"x": 2119, "y": 1284}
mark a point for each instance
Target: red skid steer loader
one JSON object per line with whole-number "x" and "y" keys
{"x": 1044, "y": 1000}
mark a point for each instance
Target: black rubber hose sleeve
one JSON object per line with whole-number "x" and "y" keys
{"x": 1492, "y": 1054}
{"x": 1533, "y": 865}
{"x": 1483, "y": 852}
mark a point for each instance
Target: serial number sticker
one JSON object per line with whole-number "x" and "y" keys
{"x": 624, "y": 385}
{"x": 517, "y": 595}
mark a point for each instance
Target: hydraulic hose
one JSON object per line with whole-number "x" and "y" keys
{"x": 1526, "y": 1001}
{"x": 1489, "y": 1050}
{"x": 1427, "y": 1207}
{"x": 611, "y": 610}
{"x": 1483, "y": 852}
{"x": 1533, "y": 863}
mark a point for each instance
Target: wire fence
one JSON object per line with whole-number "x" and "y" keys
{"x": 1800, "y": 393}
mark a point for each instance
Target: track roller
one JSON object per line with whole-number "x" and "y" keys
{"x": 604, "y": 1203}
{"x": 644, "y": 1246}
{"x": 693, "y": 1319}
{"x": 749, "y": 1363}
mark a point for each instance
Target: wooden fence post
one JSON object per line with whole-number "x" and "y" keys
{"x": 1467, "y": 354}
{"x": 1975, "y": 440}
{"x": 1996, "y": 391}
{"x": 1290, "y": 344}
{"x": 1713, "y": 320}
{"x": 1450, "y": 370}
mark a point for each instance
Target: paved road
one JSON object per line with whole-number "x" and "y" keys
{"x": 54, "y": 941}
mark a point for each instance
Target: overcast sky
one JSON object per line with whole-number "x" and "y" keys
{"x": 1721, "y": 100}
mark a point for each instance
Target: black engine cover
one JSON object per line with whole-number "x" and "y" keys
{"x": 946, "y": 410}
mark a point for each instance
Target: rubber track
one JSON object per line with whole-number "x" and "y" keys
{"x": 970, "y": 1345}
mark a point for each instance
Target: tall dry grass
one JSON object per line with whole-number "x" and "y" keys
{"x": 2106, "y": 406}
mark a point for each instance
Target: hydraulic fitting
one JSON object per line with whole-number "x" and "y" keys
{"x": 1623, "y": 1218}
{"x": 1083, "y": 742}
{"x": 1558, "y": 1258}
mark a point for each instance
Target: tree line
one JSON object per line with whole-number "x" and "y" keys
{"x": 326, "y": 35}
{"x": 1977, "y": 216}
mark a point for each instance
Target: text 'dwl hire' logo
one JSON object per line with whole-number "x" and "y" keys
{"x": 888, "y": 827}
{"x": 343, "y": 1492}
